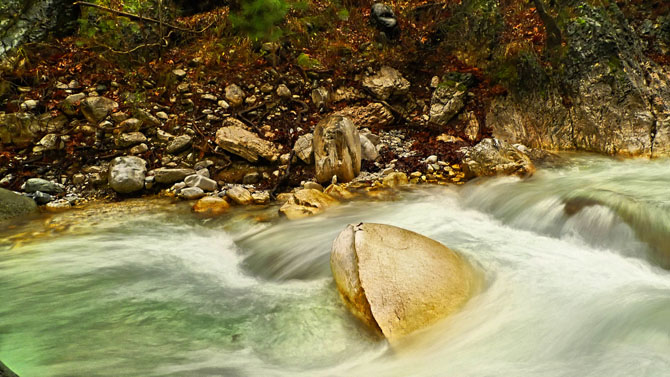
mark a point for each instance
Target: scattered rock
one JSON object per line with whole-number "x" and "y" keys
{"x": 129, "y": 139}
{"x": 168, "y": 175}
{"x": 337, "y": 149}
{"x": 71, "y": 103}
{"x": 59, "y": 205}
{"x": 386, "y": 83}
{"x": 96, "y": 109}
{"x": 496, "y": 157}
{"x": 179, "y": 73}
{"x": 303, "y": 148}
{"x": 245, "y": 144}
{"x": 130, "y": 125}
{"x": 320, "y": 97}
{"x": 397, "y": 281}
{"x": 202, "y": 182}
{"x": 447, "y": 101}
{"x": 395, "y": 179}
{"x": 251, "y": 178}
{"x": 306, "y": 202}
{"x": 49, "y": 142}
{"x": 234, "y": 95}
{"x": 283, "y": 91}
{"x": 13, "y": 204}
{"x": 240, "y": 195}
{"x": 191, "y": 193}
{"x": 368, "y": 150}
{"x": 39, "y": 184}
{"x": 338, "y": 192}
{"x": 179, "y": 144}
{"x": 313, "y": 186}
{"x": 139, "y": 149}
{"x": 211, "y": 206}
{"x": 126, "y": 174}
{"x": 261, "y": 197}
{"x": 146, "y": 118}
{"x": 373, "y": 115}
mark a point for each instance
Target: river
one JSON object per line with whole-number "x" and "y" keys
{"x": 572, "y": 259}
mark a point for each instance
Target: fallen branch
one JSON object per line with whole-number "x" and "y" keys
{"x": 141, "y": 18}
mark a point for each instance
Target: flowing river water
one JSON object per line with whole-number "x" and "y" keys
{"x": 572, "y": 259}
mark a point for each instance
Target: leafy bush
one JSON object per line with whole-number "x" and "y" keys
{"x": 260, "y": 18}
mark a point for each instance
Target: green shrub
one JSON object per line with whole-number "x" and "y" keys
{"x": 259, "y": 19}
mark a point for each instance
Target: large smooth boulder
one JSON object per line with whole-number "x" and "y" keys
{"x": 496, "y": 157}
{"x": 96, "y": 109}
{"x": 386, "y": 83}
{"x": 337, "y": 149}
{"x": 239, "y": 141}
{"x": 126, "y": 174}
{"x": 13, "y": 204}
{"x": 398, "y": 281}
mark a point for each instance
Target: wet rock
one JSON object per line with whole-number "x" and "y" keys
{"x": 126, "y": 174}
{"x": 251, "y": 178}
{"x": 59, "y": 205}
{"x": 338, "y": 192}
{"x": 13, "y": 204}
{"x": 245, "y": 144}
{"x": 211, "y": 206}
{"x": 395, "y": 179}
{"x": 368, "y": 150}
{"x": 129, "y": 139}
{"x": 337, "y": 149}
{"x": 261, "y": 197}
{"x": 40, "y": 197}
{"x": 39, "y": 184}
{"x": 496, "y": 157}
{"x": 306, "y": 202}
{"x": 202, "y": 182}
{"x": 240, "y": 195}
{"x": 373, "y": 115}
{"x": 96, "y": 109}
{"x": 386, "y": 83}
{"x": 234, "y": 95}
{"x": 191, "y": 193}
{"x": 168, "y": 175}
{"x": 179, "y": 144}
{"x": 313, "y": 185}
{"x": 397, "y": 281}
{"x": 383, "y": 18}
{"x": 303, "y": 148}
{"x": 320, "y": 96}
{"x": 447, "y": 101}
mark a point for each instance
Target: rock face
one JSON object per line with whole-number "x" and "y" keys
{"x": 496, "y": 157}
{"x": 96, "y": 109}
{"x": 337, "y": 149}
{"x": 245, "y": 144}
{"x": 398, "y": 281}
{"x": 12, "y": 204}
{"x": 126, "y": 174}
{"x": 386, "y": 83}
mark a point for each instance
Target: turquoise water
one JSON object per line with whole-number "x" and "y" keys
{"x": 158, "y": 292}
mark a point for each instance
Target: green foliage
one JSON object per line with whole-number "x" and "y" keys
{"x": 307, "y": 62}
{"x": 259, "y": 19}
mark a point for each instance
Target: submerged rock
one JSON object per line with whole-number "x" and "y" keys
{"x": 398, "y": 281}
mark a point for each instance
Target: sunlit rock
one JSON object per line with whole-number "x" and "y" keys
{"x": 305, "y": 203}
{"x": 398, "y": 281}
{"x": 211, "y": 206}
{"x": 496, "y": 157}
{"x": 337, "y": 149}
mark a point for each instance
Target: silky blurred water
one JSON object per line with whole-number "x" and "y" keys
{"x": 158, "y": 292}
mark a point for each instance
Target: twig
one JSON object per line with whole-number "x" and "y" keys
{"x": 141, "y": 18}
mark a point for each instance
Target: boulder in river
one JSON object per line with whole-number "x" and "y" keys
{"x": 126, "y": 174}
{"x": 496, "y": 157}
{"x": 13, "y": 204}
{"x": 398, "y": 281}
{"x": 337, "y": 149}
{"x": 305, "y": 203}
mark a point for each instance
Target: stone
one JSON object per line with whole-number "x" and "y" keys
{"x": 397, "y": 281}
{"x": 204, "y": 164}
{"x": 29, "y": 105}
{"x": 211, "y": 206}
{"x": 386, "y": 83}
{"x": 283, "y": 91}
{"x": 39, "y": 184}
{"x": 49, "y": 142}
{"x": 447, "y": 101}
{"x": 71, "y": 103}
{"x": 306, "y": 202}
{"x": 129, "y": 139}
{"x": 251, "y": 178}
{"x": 191, "y": 193}
{"x": 171, "y": 175}
{"x": 78, "y": 179}
{"x": 52, "y": 123}
{"x": 373, "y": 115}
{"x": 240, "y": 195}
{"x": 261, "y": 197}
{"x": 118, "y": 117}
{"x": 209, "y": 97}
{"x": 179, "y": 144}
{"x": 337, "y": 149}
{"x": 303, "y": 148}
{"x": 320, "y": 96}
{"x": 59, "y": 205}
{"x": 368, "y": 150}
{"x": 13, "y": 205}
{"x": 179, "y": 73}
{"x": 223, "y": 104}
{"x": 130, "y": 125}
{"x": 395, "y": 179}
{"x": 496, "y": 157}
{"x": 235, "y": 95}
{"x": 126, "y": 174}
{"x": 313, "y": 186}
{"x": 149, "y": 182}
{"x": 96, "y": 109}
{"x": 162, "y": 115}
{"x": 147, "y": 119}
{"x": 239, "y": 141}
{"x": 383, "y": 18}
{"x": 139, "y": 149}
{"x": 196, "y": 180}
{"x": 19, "y": 129}
{"x": 204, "y": 172}
{"x": 338, "y": 192}
{"x": 40, "y": 197}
